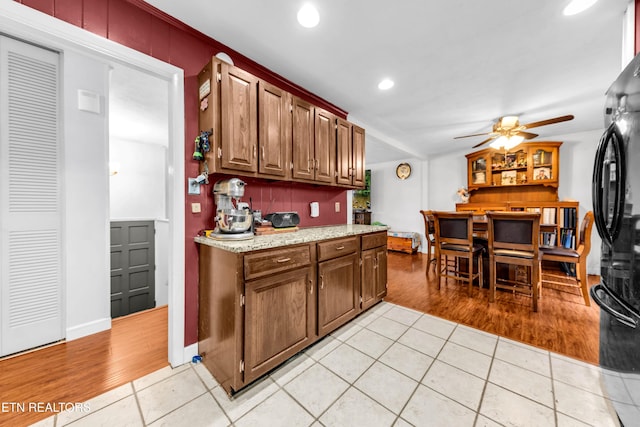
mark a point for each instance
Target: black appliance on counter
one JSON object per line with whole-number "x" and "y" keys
{"x": 616, "y": 203}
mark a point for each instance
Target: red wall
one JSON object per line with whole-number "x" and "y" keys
{"x": 140, "y": 26}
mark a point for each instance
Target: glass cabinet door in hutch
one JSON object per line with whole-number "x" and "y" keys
{"x": 509, "y": 167}
{"x": 544, "y": 161}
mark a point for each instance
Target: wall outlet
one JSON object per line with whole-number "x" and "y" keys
{"x": 337, "y": 206}
{"x": 195, "y": 207}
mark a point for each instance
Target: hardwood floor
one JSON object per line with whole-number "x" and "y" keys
{"x": 78, "y": 370}
{"x": 137, "y": 344}
{"x": 563, "y": 323}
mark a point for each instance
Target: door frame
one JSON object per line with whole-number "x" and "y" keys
{"x": 30, "y": 25}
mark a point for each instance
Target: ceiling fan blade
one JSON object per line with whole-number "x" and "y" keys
{"x": 475, "y": 134}
{"x": 548, "y": 121}
{"x": 484, "y": 142}
{"x": 527, "y": 135}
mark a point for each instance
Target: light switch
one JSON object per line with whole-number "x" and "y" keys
{"x": 194, "y": 187}
{"x": 337, "y": 206}
{"x": 195, "y": 208}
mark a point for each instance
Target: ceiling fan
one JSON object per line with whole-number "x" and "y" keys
{"x": 508, "y": 132}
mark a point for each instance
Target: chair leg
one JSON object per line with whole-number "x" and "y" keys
{"x": 492, "y": 280}
{"x": 439, "y": 269}
{"x": 581, "y": 276}
{"x": 535, "y": 284}
{"x": 470, "y": 276}
{"x": 480, "y": 272}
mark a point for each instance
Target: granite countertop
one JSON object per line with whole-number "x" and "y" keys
{"x": 303, "y": 235}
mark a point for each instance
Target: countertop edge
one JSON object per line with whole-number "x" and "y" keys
{"x": 303, "y": 235}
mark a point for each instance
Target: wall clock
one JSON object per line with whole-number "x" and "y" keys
{"x": 403, "y": 171}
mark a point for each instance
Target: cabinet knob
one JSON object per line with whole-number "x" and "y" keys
{"x": 339, "y": 248}
{"x": 281, "y": 260}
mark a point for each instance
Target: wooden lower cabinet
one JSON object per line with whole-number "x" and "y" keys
{"x": 373, "y": 269}
{"x": 339, "y": 292}
{"x": 279, "y": 319}
{"x": 259, "y": 308}
{"x": 374, "y": 276}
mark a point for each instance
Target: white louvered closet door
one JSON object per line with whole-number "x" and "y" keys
{"x": 30, "y": 192}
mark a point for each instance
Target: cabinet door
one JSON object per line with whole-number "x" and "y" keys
{"x": 373, "y": 276}
{"x": 275, "y": 130}
{"x": 325, "y": 146}
{"x": 368, "y": 278}
{"x": 239, "y": 133}
{"x": 279, "y": 319}
{"x": 344, "y": 157}
{"x": 381, "y": 273}
{"x": 357, "y": 165}
{"x": 303, "y": 135}
{"x": 338, "y": 292}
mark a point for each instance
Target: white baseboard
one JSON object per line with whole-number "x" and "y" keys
{"x": 75, "y": 332}
{"x": 189, "y": 352}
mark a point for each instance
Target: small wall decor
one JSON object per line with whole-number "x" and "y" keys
{"x": 403, "y": 171}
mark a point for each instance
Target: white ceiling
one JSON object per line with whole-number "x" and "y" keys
{"x": 457, "y": 65}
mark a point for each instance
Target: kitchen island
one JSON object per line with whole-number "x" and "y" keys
{"x": 263, "y": 300}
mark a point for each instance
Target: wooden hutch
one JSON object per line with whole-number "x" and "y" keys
{"x": 524, "y": 178}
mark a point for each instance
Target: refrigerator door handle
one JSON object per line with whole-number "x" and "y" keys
{"x": 622, "y": 318}
{"x": 621, "y": 185}
{"x": 612, "y": 137}
{"x": 597, "y": 188}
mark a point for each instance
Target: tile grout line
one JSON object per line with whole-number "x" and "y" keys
{"x": 135, "y": 396}
{"x": 486, "y": 383}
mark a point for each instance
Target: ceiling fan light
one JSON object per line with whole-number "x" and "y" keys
{"x": 308, "y": 16}
{"x": 513, "y": 141}
{"x": 577, "y": 6}
{"x": 499, "y": 143}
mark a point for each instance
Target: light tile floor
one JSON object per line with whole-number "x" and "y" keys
{"x": 389, "y": 367}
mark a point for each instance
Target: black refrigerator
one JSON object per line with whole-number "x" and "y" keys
{"x": 616, "y": 206}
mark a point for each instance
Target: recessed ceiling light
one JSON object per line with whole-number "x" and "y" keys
{"x": 385, "y": 84}
{"x": 577, "y": 6}
{"x": 308, "y": 16}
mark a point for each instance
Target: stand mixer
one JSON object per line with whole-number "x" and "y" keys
{"x": 232, "y": 223}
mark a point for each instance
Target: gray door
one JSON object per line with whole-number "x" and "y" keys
{"x": 132, "y": 267}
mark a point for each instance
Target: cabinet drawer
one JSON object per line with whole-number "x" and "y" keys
{"x": 336, "y": 248}
{"x": 374, "y": 240}
{"x": 274, "y": 261}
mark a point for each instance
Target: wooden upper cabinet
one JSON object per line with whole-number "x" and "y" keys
{"x": 350, "y": 154}
{"x": 357, "y": 165}
{"x": 303, "y": 130}
{"x": 274, "y": 140}
{"x": 325, "y": 146}
{"x": 239, "y": 124}
{"x": 260, "y": 130}
{"x": 344, "y": 159}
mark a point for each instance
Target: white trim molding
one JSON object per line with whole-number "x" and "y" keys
{"x": 19, "y": 21}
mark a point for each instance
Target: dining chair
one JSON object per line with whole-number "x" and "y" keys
{"x": 430, "y": 237}
{"x": 513, "y": 240}
{"x": 454, "y": 238}
{"x": 577, "y": 257}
